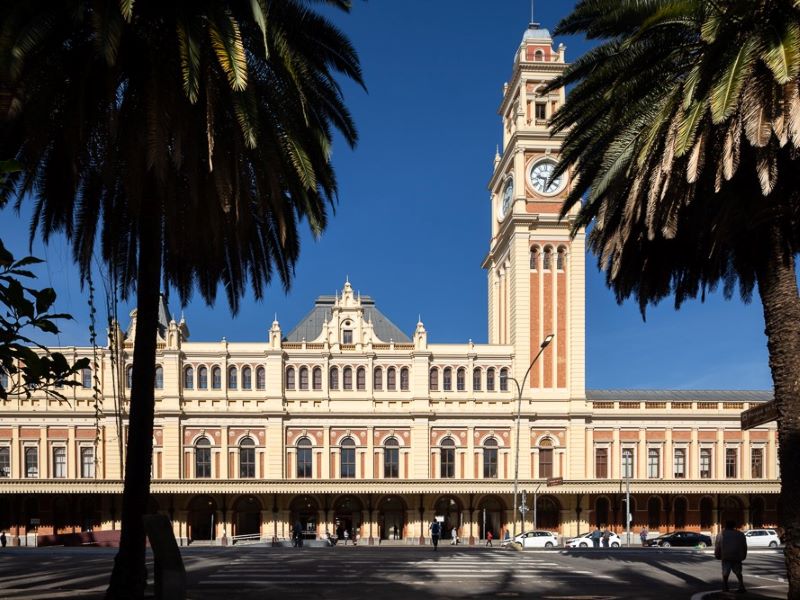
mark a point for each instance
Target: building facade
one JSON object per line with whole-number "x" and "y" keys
{"x": 345, "y": 423}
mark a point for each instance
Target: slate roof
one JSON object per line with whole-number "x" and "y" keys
{"x": 680, "y": 395}
{"x": 310, "y": 326}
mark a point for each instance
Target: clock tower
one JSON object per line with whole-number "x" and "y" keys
{"x": 535, "y": 269}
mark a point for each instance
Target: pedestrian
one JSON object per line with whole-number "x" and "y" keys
{"x": 643, "y": 535}
{"x": 346, "y": 536}
{"x": 489, "y": 538}
{"x": 436, "y": 529}
{"x": 355, "y": 536}
{"x": 606, "y": 538}
{"x": 596, "y": 535}
{"x": 454, "y": 536}
{"x": 298, "y": 534}
{"x": 3, "y": 539}
{"x": 731, "y": 548}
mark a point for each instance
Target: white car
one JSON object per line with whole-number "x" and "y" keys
{"x": 585, "y": 541}
{"x": 534, "y": 539}
{"x": 762, "y": 538}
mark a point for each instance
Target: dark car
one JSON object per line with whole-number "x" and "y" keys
{"x": 683, "y": 539}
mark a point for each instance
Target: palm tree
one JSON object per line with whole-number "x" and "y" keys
{"x": 186, "y": 141}
{"x": 684, "y": 130}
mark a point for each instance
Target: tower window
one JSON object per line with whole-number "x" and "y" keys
{"x": 490, "y": 379}
{"x": 377, "y": 379}
{"x": 347, "y": 336}
{"x": 548, "y": 259}
{"x": 361, "y": 379}
{"x": 303, "y": 378}
{"x": 347, "y": 378}
{"x": 534, "y": 259}
{"x": 433, "y": 380}
{"x": 561, "y": 259}
{"x": 404, "y": 379}
{"x": 317, "y": 378}
{"x": 333, "y": 378}
{"x": 541, "y": 111}
{"x": 391, "y": 379}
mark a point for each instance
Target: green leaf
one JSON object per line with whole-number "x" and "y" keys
{"x": 687, "y": 130}
{"x": 782, "y": 52}
{"x": 725, "y": 90}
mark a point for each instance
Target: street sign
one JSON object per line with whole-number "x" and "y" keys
{"x": 760, "y": 414}
{"x": 552, "y": 481}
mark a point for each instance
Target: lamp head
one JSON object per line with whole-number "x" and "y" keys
{"x": 546, "y": 341}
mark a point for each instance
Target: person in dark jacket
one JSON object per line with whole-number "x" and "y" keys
{"x": 297, "y": 533}
{"x": 731, "y": 548}
{"x": 596, "y": 535}
{"x": 436, "y": 530}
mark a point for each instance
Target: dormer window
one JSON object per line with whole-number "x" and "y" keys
{"x": 347, "y": 336}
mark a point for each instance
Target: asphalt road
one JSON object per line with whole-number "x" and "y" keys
{"x": 389, "y": 573}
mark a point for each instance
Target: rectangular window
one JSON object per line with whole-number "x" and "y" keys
{"x": 757, "y": 463}
{"x": 653, "y": 463}
{"x": 202, "y": 462}
{"x": 490, "y": 463}
{"x": 87, "y": 463}
{"x": 5, "y": 461}
{"x": 540, "y": 111}
{"x": 391, "y": 463}
{"x": 448, "y": 463}
{"x": 32, "y": 462}
{"x": 348, "y": 466}
{"x": 59, "y": 462}
{"x": 680, "y": 463}
{"x": 705, "y": 463}
{"x": 247, "y": 462}
{"x": 347, "y": 336}
{"x": 730, "y": 463}
{"x": 545, "y": 463}
{"x": 304, "y": 463}
{"x": 601, "y": 463}
{"x": 627, "y": 462}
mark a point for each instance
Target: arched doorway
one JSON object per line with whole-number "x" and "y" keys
{"x": 732, "y": 510}
{"x": 62, "y": 515}
{"x": 757, "y": 512}
{"x": 706, "y": 513}
{"x": 490, "y": 516}
{"x": 305, "y": 509}
{"x": 391, "y": 518}
{"x": 89, "y": 513}
{"x": 548, "y": 513}
{"x": 247, "y": 516}
{"x": 601, "y": 510}
{"x": 347, "y": 516}
{"x": 654, "y": 513}
{"x": 202, "y": 515}
{"x": 680, "y": 508}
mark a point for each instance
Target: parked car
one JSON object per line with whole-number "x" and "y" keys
{"x": 762, "y": 538}
{"x": 584, "y": 540}
{"x": 534, "y": 539}
{"x": 681, "y": 539}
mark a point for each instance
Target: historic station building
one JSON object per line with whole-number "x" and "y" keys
{"x": 346, "y": 422}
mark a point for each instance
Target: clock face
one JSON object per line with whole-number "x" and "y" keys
{"x": 508, "y": 199}
{"x": 540, "y": 178}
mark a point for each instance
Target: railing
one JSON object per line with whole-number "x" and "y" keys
{"x": 250, "y": 537}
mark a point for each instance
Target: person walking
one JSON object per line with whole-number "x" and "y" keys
{"x": 606, "y": 537}
{"x": 454, "y": 536}
{"x": 436, "y": 529}
{"x": 489, "y": 538}
{"x": 596, "y": 535}
{"x": 643, "y": 535}
{"x": 3, "y": 539}
{"x": 298, "y": 534}
{"x": 731, "y": 548}
{"x": 346, "y": 536}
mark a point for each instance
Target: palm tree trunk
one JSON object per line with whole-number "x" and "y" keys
{"x": 777, "y": 285}
{"x": 129, "y": 577}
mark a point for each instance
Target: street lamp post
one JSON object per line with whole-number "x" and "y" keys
{"x": 542, "y": 346}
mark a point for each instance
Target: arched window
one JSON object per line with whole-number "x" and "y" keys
{"x": 433, "y": 379}
{"x": 304, "y": 458}
{"x": 303, "y": 378}
{"x": 391, "y": 379}
{"x": 447, "y": 379}
{"x": 404, "y": 379}
{"x": 202, "y": 378}
{"x": 247, "y": 378}
{"x": 247, "y": 458}
{"x": 188, "y": 378}
{"x": 490, "y": 458}
{"x": 448, "y": 460}
{"x": 233, "y": 378}
{"x": 86, "y": 379}
{"x": 216, "y": 378}
{"x": 476, "y": 380}
{"x": 347, "y": 378}
{"x": 461, "y": 376}
{"x": 202, "y": 458}
{"x": 159, "y": 383}
{"x": 561, "y": 258}
{"x": 348, "y": 458}
{"x": 504, "y": 380}
{"x": 534, "y": 259}
{"x": 333, "y": 378}
{"x": 548, "y": 257}
{"x": 391, "y": 459}
{"x": 538, "y": 56}
{"x": 129, "y": 377}
{"x": 316, "y": 378}
{"x": 546, "y": 458}
{"x": 377, "y": 378}
{"x": 361, "y": 379}
{"x": 490, "y": 379}
{"x": 261, "y": 378}
{"x": 290, "y": 378}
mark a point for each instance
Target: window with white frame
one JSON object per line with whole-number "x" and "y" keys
{"x": 216, "y": 378}
{"x": 679, "y": 463}
{"x": 159, "y": 378}
{"x": 627, "y": 463}
{"x": 391, "y": 379}
{"x": 347, "y": 466}
{"x": 304, "y": 458}
{"x": 188, "y": 378}
{"x": 757, "y": 463}
{"x": 247, "y": 378}
{"x": 731, "y": 463}
{"x": 391, "y": 459}
{"x": 653, "y": 463}
{"x": 347, "y": 378}
{"x": 87, "y": 462}
{"x": 5, "y": 461}
{"x": 202, "y": 378}
{"x": 490, "y": 379}
{"x": 461, "y": 376}
{"x": 247, "y": 458}
{"x": 32, "y": 462}
{"x": 448, "y": 459}
{"x": 476, "y": 380}
{"x": 202, "y": 458}
{"x": 705, "y": 463}
{"x": 59, "y": 462}
{"x": 86, "y": 379}
{"x": 303, "y": 378}
{"x": 233, "y": 378}
{"x": 333, "y": 378}
{"x": 490, "y": 458}
{"x": 404, "y": 379}
{"x": 361, "y": 379}
{"x": 601, "y": 462}
{"x": 316, "y": 379}
{"x": 261, "y": 378}
{"x": 447, "y": 379}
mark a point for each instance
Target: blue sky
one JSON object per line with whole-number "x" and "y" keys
{"x": 412, "y": 224}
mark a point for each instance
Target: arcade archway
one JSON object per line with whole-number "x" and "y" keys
{"x": 490, "y": 516}
{"x": 305, "y": 510}
{"x": 247, "y": 516}
{"x": 347, "y": 516}
{"x": 202, "y": 515}
{"x": 391, "y": 518}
